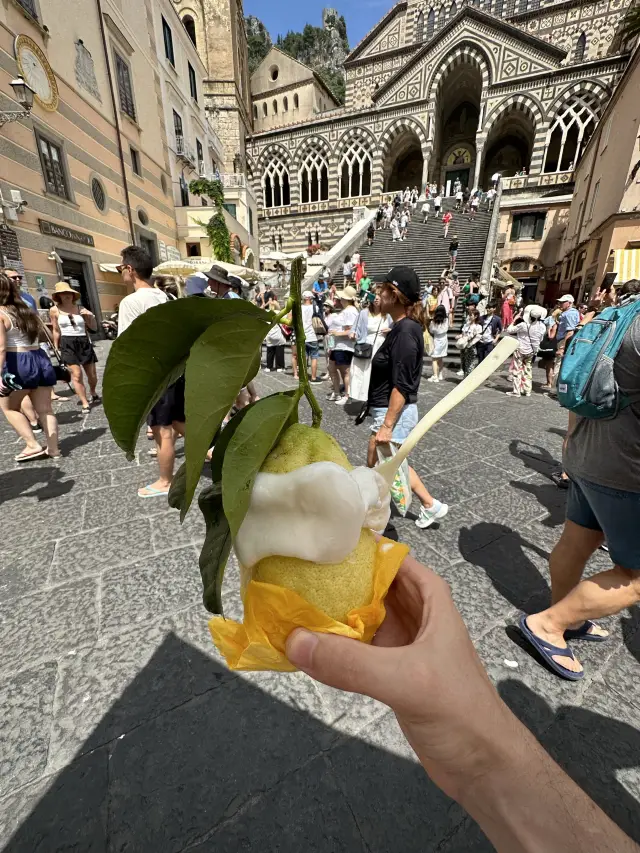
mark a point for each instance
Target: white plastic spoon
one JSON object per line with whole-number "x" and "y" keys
{"x": 482, "y": 372}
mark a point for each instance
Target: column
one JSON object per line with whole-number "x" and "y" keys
{"x": 425, "y": 170}
{"x": 480, "y": 140}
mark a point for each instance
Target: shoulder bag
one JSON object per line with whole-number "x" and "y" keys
{"x": 62, "y": 372}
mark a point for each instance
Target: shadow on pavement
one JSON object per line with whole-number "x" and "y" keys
{"x": 514, "y": 576}
{"x": 42, "y": 483}
{"x": 190, "y": 756}
{"x": 548, "y": 496}
{"x": 593, "y": 749}
{"x": 533, "y": 456}
{"x": 78, "y": 439}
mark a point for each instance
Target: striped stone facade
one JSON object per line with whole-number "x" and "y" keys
{"x": 524, "y": 81}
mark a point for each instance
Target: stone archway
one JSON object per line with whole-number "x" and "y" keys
{"x": 456, "y": 125}
{"x": 402, "y": 165}
{"x": 509, "y": 144}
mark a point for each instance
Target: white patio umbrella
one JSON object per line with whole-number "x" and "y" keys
{"x": 178, "y": 267}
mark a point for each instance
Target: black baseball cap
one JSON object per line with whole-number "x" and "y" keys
{"x": 406, "y": 281}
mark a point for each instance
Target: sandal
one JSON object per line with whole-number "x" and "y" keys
{"x": 86, "y": 410}
{"x": 584, "y": 633}
{"x": 27, "y": 457}
{"x": 150, "y": 492}
{"x": 547, "y": 651}
{"x": 96, "y": 399}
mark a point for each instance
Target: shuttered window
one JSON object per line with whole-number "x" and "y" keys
{"x": 125, "y": 89}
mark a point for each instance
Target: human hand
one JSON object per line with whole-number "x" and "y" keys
{"x": 384, "y": 435}
{"x": 422, "y": 664}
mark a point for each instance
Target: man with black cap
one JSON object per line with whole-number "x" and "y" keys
{"x": 396, "y": 370}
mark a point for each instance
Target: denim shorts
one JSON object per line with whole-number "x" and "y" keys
{"x": 405, "y": 423}
{"x": 613, "y": 511}
{"x": 32, "y": 369}
{"x": 312, "y": 348}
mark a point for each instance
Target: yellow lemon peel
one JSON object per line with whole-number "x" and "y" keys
{"x": 272, "y": 612}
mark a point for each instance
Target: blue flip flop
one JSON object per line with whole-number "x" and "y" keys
{"x": 582, "y": 633}
{"x": 546, "y": 651}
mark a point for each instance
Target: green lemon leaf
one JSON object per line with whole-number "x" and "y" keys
{"x": 178, "y": 487}
{"x": 254, "y": 367}
{"x": 216, "y": 548}
{"x": 151, "y": 354}
{"x": 249, "y": 446}
{"x": 224, "y": 438}
{"x": 216, "y": 371}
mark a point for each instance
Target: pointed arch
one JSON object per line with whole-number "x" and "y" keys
{"x": 572, "y": 127}
{"x": 453, "y": 9}
{"x": 419, "y": 27}
{"x": 431, "y": 23}
{"x": 580, "y": 48}
{"x": 355, "y": 164}
{"x": 442, "y": 17}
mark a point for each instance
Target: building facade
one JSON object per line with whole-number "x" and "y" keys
{"x": 216, "y": 29}
{"x": 91, "y": 161}
{"x": 603, "y": 226}
{"x": 439, "y": 92}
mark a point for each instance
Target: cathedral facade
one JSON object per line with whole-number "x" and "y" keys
{"x": 435, "y": 93}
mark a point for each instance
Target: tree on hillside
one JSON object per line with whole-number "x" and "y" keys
{"x": 258, "y": 41}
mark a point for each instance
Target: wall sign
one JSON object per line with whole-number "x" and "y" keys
{"x": 64, "y": 233}
{"x": 10, "y": 255}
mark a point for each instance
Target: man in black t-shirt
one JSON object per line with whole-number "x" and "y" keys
{"x": 396, "y": 370}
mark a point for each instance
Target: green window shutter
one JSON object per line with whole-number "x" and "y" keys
{"x": 515, "y": 228}
{"x": 540, "y": 220}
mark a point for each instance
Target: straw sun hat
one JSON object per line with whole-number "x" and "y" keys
{"x": 63, "y": 287}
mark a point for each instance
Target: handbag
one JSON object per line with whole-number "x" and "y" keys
{"x": 462, "y": 342}
{"x": 363, "y": 350}
{"x": 429, "y": 345}
{"x": 62, "y": 372}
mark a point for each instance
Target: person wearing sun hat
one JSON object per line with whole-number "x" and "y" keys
{"x": 71, "y": 324}
{"x": 345, "y": 343}
{"x": 396, "y": 371}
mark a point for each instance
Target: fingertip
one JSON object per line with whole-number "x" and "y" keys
{"x": 300, "y": 647}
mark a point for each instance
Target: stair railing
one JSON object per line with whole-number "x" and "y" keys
{"x": 347, "y": 245}
{"x": 492, "y": 238}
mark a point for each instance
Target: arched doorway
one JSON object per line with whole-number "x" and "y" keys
{"x": 403, "y": 163}
{"x": 457, "y": 114}
{"x": 509, "y": 145}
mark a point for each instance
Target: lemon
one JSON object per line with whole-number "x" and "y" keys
{"x": 334, "y": 588}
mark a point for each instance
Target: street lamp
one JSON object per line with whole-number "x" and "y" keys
{"x": 24, "y": 95}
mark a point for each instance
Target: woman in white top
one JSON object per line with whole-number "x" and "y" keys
{"x": 25, "y": 371}
{"x": 342, "y": 353}
{"x": 371, "y": 329}
{"x": 438, "y": 327}
{"x": 530, "y": 330}
{"x": 471, "y": 333}
{"x": 70, "y": 324}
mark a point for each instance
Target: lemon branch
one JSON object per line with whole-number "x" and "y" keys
{"x": 298, "y": 327}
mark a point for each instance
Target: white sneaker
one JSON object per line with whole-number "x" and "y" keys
{"x": 460, "y": 373}
{"x": 331, "y": 397}
{"x": 432, "y": 379}
{"x": 280, "y": 370}
{"x": 267, "y": 370}
{"x": 434, "y": 513}
{"x": 341, "y": 401}
{"x": 440, "y": 378}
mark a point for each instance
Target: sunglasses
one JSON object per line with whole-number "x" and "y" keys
{"x": 14, "y": 277}
{"x": 121, "y": 267}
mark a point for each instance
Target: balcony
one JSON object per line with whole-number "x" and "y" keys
{"x": 184, "y": 152}
{"x": 550, "y": 179}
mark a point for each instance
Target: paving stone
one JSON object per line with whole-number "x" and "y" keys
{"x": 26, "y": 571}
{"x": 388, "y": 792}
{"x": 118, "y": 504}
{"x": 85, "y": 716}
{"x": 622, "y": 674}
{"x": 149, "y": 590}
{"x": 598, "y": 745}
{"x": 475, "y": 597}
{"x": 61, "y": 813}
{"x": 323, "y": 822}
{"x": 459, "y": 525}
{"x": 168, "y": 532}
{"x": 217, "y": 752}
{"x": 47, "y": 624}
{"x": 26, "y": 701}
{"x": 85, "y": 554}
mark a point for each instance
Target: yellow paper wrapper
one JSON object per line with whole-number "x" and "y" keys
{"x": 272, "y": 612}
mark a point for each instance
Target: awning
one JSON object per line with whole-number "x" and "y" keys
{"x": 109, "y": 268}
{"x": 626, "y": 262}
{"x": 505, "y": 279}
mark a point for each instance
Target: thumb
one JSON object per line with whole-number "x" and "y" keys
{"x": 344, "y": 663}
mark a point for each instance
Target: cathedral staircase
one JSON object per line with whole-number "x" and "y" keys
{"x": 428, "y": 253}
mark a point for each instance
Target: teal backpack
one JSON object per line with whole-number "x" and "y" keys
{"x": 586, "y": 383}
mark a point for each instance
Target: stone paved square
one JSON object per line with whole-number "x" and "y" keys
{"x": 122, "y": 729}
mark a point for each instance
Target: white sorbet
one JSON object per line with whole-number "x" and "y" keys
{"x": 314, "y": 513}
